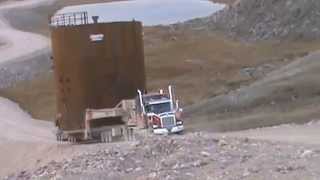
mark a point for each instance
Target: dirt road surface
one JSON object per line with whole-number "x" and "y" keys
{"x": 19, "y": 43}
{"x": 20, "y": 135}
{"x": 307, "y": 134}
{"x": 191, "y": 156}
{"x": 17, "y": 125}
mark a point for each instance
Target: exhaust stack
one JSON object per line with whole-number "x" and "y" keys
{"x": 141, "y": 103}
{"x": 170, "y": 96}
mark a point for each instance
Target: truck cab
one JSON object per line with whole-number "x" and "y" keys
{"x": 162, "y": 112}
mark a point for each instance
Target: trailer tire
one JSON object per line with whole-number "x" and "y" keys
{"x": 59, "y": 135}
{"x": 102, "y": 137}
{"x": 109, "y": 137}
{"x": 72, "y": 139}
{"x": 106, "y": 137}
{"x": 59, "y": 138}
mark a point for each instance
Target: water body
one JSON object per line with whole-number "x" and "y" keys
{"x": 150, "y": 12}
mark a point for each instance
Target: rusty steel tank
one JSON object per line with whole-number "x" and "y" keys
{"x": 96, "y": 66}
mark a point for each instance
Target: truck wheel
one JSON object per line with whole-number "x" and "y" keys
{"x": 102, "y": 137}
{"x": 125, "y": 133}
{"x": 106, "y": 137}
{"x": 59, "y": 135}
{"x": 131, "y": 134}
{"x": 180, "y": 133}
{"x": 60, "y": 138}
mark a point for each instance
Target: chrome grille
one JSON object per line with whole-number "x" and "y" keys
{"x": 168, "y": 121}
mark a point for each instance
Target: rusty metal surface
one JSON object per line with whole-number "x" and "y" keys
{"x": 96, "y": 74}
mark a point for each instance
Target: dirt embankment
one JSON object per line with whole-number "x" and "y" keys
{"x": 199, "y": 66}
{"x": 289, "y": 94}
{"x": 265, "y": 19}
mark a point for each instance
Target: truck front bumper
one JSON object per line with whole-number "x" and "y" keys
{"x": 175, "y": 129}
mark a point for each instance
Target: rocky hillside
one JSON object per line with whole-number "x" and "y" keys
{"x": 191, "y": 156}
{"x": 267, "y": 19}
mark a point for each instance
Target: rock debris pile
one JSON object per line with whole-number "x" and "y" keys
{"x": 266, "y": 19}
{"x": 190, "y": 156}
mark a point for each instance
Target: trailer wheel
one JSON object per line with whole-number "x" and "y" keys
{"x": 131, "y": 134}
{"x": 109, "y": 136}
{"x": 125, "y": 133}
{"x": 72, "y": 139}
{"x": 128, "y": 134}
{"x": 106, "y": 137}
{"x": 102, "y": 137}
{"x": 59, "y": 137}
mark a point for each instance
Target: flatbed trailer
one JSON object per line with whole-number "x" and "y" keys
{"x": 123, "y": 110}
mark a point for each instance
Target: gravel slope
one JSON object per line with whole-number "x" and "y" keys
{"x": 17, "y": 125}
{"x": 191, "y": 156}
{"x": 22, "y": 139}
{"x": 287, "y": 95}
{"x": 265, "y": 19}
{"x": 23, "y": 51}
{"x": 20, "y": 43}
{"x": 307, "y": 134}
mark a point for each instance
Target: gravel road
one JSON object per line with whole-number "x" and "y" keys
{"x": 191, "y": 156}
{"x": 24, "y": 52}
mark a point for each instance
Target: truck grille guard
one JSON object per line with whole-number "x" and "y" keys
{"x": 168, "y": 121}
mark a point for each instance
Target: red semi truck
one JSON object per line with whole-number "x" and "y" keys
{"x": 162, "y": 112}
{"x": 158, "y": 112}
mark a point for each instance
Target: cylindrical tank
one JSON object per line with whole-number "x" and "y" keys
{"x": 96, "y": 66}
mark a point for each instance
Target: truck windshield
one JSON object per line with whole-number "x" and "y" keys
{"x": 158, "y": 108}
